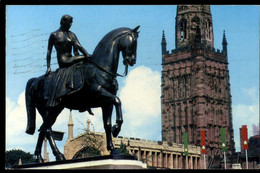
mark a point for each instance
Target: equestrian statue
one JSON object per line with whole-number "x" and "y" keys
{"x": 80, "y": 83}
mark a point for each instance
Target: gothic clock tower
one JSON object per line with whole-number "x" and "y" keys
{"x": 195, "y": 83}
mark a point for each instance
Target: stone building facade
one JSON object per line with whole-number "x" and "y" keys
{"x": 195, "y": 83}
{"x": 195, "y": 96}
{"x": 156, "y": 154}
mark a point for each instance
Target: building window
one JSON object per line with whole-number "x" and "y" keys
{"x": 208, "y": 27}
{"x": 195, "y": 21}
{"x": 183, "y": 29}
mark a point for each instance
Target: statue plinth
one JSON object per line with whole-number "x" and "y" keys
{"x": 101, "y": 162}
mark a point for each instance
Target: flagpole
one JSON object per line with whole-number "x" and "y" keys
{"x": 245, "y": 142}
{"x": 246, "y": 160}
{"x": 203, "y": 146}
{"x": 204, "y": 162}
{"x": 225, "y": 160}
{"x": 187, "y": 167}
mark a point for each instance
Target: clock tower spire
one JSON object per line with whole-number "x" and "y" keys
{"x": 189, "y": 20}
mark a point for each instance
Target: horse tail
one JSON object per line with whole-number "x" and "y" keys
{"x": 30, "y": 107}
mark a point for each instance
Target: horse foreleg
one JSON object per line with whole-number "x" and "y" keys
{"x": 113, "y": 99}
{"x": 119, "y": 118}
{"x": 107, "y": 113}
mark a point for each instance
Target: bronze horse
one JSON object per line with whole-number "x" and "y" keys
{"x": 97, "y": 87}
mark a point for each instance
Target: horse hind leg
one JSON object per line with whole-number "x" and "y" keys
{"x": 37, "y": 152}
{"x": 55, "y": 150}
{"x": 30, "y": 108}
{"x": 49, "y": 135}
{"x": 49, "y": 120}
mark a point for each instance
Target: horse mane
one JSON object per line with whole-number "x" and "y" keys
{"x": 109, "y": 37}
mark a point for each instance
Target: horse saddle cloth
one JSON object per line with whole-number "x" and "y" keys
{"x": 64, "y": 81}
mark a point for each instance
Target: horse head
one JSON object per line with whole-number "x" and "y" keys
{"x": 129, "y": 46}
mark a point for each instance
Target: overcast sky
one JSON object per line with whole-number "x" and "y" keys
{"x": 27, "y": 32}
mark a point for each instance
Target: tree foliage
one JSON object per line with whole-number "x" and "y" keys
{"x": 123, "y": 149}
{"x": 87, "y": 152}
{"x": 12, "y": 157}
{"x": 91, "y": 145}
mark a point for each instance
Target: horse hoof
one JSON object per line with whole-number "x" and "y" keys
{"x": 110, "y": 147}
{"x": 30, "y": 130}
{"x": 115, "y": 130}
{"x": 60, "y": 157}
{"x": 39, "y": 159}
{"x": 115, "y": 152}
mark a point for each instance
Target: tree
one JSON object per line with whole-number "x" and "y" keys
{"x": 12, "y": 157}
{"x": 90, "y": 143}
{"x": 87, "y": 152}
{"x": 123, "y": 150}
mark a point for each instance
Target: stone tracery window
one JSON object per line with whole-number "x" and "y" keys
{"x": 195, "y": 21}
{"x": 208, "y": 27}
{"x": 183, "y": 29}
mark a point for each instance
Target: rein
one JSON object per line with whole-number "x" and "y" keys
{"x": 105, "y": 70}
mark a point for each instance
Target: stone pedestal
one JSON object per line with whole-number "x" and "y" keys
{"x": 102, "y": 162}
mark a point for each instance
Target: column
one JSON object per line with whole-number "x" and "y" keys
{"x": 176, "y": 161}
{"x": 149, "y": 158}
{"x": 139, "y": 154}
{"x": 195, "y": 163}
{"x": 199, "y": 161}
{"x": 160, "y": 160}
{"x": 171, "y": 161}
{"x": 136, "y": 153}
{"x": 180, "y": 162}
{"x": 191, "y": 162}
{"x": 165, "y": 160}
{"x": 155, "y": 159}
{"x": 143, "y": 155}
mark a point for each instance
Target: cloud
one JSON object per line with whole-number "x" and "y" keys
{"x": 80, "y": 121}
{"x": 140, "y": 97}
{"x": 246, "y": 114}
{"x": 16, "y": 124}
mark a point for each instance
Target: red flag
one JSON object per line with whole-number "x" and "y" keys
{"x": 203, "y": 141}
{"x": 244, "y": 137}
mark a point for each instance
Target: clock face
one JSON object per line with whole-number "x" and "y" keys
{"x": 245, "y": 143}
{"x": 223, "y": 145}
{"x": 203, "y": 147}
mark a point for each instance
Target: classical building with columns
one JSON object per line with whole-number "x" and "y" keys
{"x": 157, "y": 154}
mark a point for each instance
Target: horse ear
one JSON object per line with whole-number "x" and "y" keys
{"x": 136, "y": 28}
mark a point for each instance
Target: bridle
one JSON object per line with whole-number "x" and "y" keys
{"x": 105, "y": 70}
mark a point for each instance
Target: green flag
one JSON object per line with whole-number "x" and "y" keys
{"x": 185, "y": 137}
{"x": 223, "y": 139}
